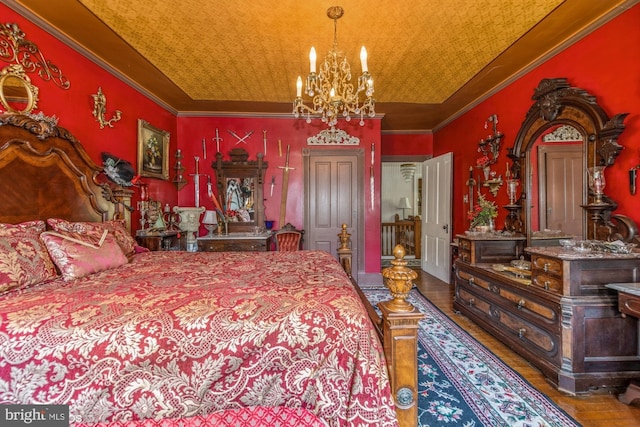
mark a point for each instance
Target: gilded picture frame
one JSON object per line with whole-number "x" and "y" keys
{"x": 153, "y": 151}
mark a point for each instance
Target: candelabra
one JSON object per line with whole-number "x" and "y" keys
{"x": 331, "y": 89}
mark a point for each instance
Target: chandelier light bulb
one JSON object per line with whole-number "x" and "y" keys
{"x": 312, "y": 59}
{"x": 363, "y": 59}
{"x": 299, "y": 87}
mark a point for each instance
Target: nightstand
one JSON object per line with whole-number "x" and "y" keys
{"x": 162, "y": 240}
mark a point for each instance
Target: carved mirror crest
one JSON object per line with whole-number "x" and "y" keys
{"x": 561, "y": 111}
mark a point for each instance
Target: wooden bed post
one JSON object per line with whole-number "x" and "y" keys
{"x": 344, "y": 251}
{"x": 400, "y": 338}
{"x": 398, "y": 329}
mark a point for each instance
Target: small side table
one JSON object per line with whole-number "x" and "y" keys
{"x": 629, "y": 304}
{"x": 162, "y": 240}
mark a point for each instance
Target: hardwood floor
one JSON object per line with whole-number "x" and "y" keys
{"x": 600, "y": 410}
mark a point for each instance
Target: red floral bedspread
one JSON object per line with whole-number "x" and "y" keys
{"x": 187, "y": 335}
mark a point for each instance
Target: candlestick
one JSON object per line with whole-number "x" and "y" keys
{"x": 265, "y": 142}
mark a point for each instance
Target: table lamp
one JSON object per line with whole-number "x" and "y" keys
{"x": 210, "y": 222}
{"x": 404, "y": 204}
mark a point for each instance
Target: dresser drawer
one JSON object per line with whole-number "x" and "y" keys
{"x": 547, "y": 282}
{"x": 544, "y": 312}
{"x": 540, "y": 340}
{"x": 547, "y": 265}
{"x": 244, "y": 245}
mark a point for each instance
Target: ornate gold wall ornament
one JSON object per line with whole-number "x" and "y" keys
{"x": 333, "y": 136}
{"x": 17, "y": 94}
{"x": 100, "y": 108}
{"x": 15, "y": 49}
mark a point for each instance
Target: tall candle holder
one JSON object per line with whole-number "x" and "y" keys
{"x": 179, "y": 180}
{"x": 512, "y": 190}
{"x": 597, "y": 182}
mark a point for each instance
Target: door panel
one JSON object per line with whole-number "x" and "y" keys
{"x": 436, "y": 216}
{"x": 333, "y": 200}
{"x": 561, "y": 187}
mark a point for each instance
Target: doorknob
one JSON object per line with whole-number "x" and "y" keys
{"x": 446, "y": 227}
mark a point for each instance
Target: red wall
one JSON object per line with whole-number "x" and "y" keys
{"x": 293, "y": 132}
{"x": 397, "y": 144}
{"x": 606, "y": 64}
{"x": 74, "y": 107}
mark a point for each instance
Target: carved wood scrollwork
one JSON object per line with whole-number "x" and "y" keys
{"x": 556, "y": 103}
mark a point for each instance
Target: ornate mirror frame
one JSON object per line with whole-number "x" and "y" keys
{"x": 240, "y": 167}
{"x": 16, "y": 89}
{"x": 556, "y": 103}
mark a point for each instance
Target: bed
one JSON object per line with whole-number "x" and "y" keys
{"x": 127, "y": 337}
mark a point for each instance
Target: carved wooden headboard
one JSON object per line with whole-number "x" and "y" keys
{"x": 46, "y": 173}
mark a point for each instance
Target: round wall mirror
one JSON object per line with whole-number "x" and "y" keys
{"x": 17, "y": 94}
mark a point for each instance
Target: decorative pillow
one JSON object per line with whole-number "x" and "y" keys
{"x": 116, "y": 226}
{"x": 77, "y": 255}
{"x": 24, "y": 261}
{"x": 29, "y": 227}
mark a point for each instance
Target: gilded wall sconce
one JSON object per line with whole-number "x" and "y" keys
{"x": 100, "y": 109}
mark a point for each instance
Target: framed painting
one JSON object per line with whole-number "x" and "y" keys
{"x": 153, "y": 151}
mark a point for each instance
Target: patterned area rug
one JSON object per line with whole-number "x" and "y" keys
{"x": 462, "y": 383}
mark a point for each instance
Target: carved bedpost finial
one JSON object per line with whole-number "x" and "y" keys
{"x": 399, "y": 279}
{"x": 344, "y": 251}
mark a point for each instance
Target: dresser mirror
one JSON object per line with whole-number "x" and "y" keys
{"x": 557, "y": 182}
{"x": 17, "y": 94}
{"x": 240, "y": 184}
{"x": 561, "y": 111}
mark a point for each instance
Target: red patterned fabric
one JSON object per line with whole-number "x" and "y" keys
{"x": 35, "y": 226}
{"x": 255, "y": 416}
{"x": 288, "y": 240}
{"x": 117, "y": 227}
{"x": 179, "y": 335}
{"x": 77, "y": 255}
{"x": 24, "y": 261}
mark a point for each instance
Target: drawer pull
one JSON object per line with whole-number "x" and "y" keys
{"x": 472, "y": 280}
{"x": 521, "y": 304}
{"x": 545, "y": 267}
{"x": 521, "y": 332}
{"x": 546, "y": 285}
{"x": 472, "y": 302}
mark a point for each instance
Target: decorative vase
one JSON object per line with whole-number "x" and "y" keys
{"x": 190, "y": 223}
{"x": 483, "y": 228}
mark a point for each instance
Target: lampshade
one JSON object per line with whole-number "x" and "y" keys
{"x": 209, "y": 218}
{"x": 404, "y": 203}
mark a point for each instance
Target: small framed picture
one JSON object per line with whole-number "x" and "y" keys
{"x": 153, "y": 151}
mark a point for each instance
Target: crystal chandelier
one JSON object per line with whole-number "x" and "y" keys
{"x": 330, "y": 89}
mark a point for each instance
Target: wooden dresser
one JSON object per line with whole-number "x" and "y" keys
{"x": 162, "y": 240}
{"x": 564, "y": 320}
{"x": 235, "y": 242}
{"x": 486, "y": 248}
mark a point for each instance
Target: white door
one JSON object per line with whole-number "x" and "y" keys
{"x": 436, "y": 216}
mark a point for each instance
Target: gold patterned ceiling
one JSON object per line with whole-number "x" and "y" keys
{"x": 430, "y": 59}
